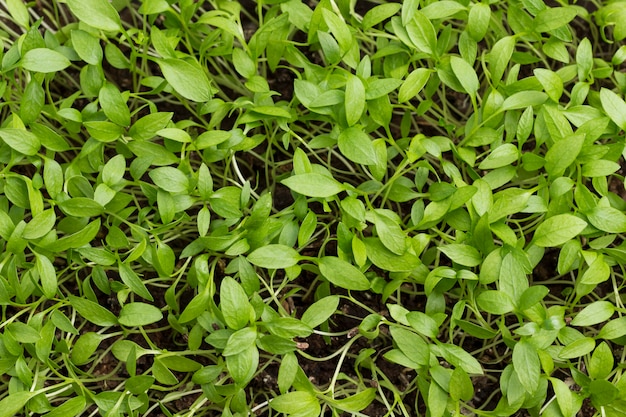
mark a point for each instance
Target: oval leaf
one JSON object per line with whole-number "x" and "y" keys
{"x": 170, "y": 179}
{"x": 607, "y": 219}
{"x": 274, "y": 257}
{"x": 44, "y": 60}
{"x": 558, "y": 229}
{"x": 355, "y": 99}
{"x": 97, "y": 13}
{"x": 189, "y": 80}
{"x": 21, "y": 140}
{"x": 357, "y": 146}
{"x": 314, "y": 185}
{"x": 93, "y": 312}
{"x": 139, "y": 314}
{"x": 343, "y": 274}
{"x": 320, "y": 311}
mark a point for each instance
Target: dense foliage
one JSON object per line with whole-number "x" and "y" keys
{"x": 312, "y": 208}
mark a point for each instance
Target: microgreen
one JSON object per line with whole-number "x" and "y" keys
{"x": 306, "y": 209}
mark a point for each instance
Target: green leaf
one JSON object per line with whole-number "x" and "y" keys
{"x": 61, "y": 321}
{"x": 531, "y": 296}
{"x": 563, "y": 154}
{"x": 314, "y": 185}
{"x": 390, "y": 234}
{"x": 524, "y": 99}
{"x": 598, "y": 272}
{"x": 70, "y": 408}
{"x": 355, "y": 99}
{"x": 478, "y": 21}
{"x": 594, "y": 313}
{"x": 139, "y": 384}
{"x": 49, "y": 138}
{"x": 503, "y": 155}
{"x": 599, "y": 168}
{"x": 132, "y": 280}
{"x": 114, "y": 105}
{"x": 527, "y": 365}
{"x": 11, "y": 405}
{"x": 462, "y": 254}
{"x": 300, "y": 403}
{"x": 577, "y": 348}
{"x": 81, "y": 207}
{"x": 274, "y": 256}
{"x": 357, "y": 146}
{"x": 495, "y": 302}
{"x": 413, "y": 84}
{"x": 188, "y": 79}
{"x": 196, "y": 306}
{"x": 244, "y": 65}
{"x": 162, "y": 374}
{"x": 437, "y": 400}
{"x": 39, "y": 225}
{"x": 147, "y": 127}
{"x": 508, "y": 201}
{"x": 408, "y": 10}
{"x": 458, "y": 357}
{"x": 339, "y": 29}
{"x": 614, "y": 106}
{"x": 307, "y": 228}
{"x": 44, "y": 60}
{"x": 287, "y": 371}
{"x": 551, "y": 82}
{"x": 234, "y": 304}
{"x": 97, "y": 13}
{"x": 84, "y": 347}
{"x": 356, "y": 402}
{"x": 33, "y": 100}
{"x": 475, "y": 330}
{"x": 553, "y": 18}
{"x": 273, "y": 111}
{"x": 343, "y": 274}
{"x": 564, "y": 396}
{"x": 19, "y": 12}
{"x": 614, "y": 329}
{"x": 423, "y": 323}
{"x": 205, "y": 182}
{"x": 170, "y": 179}
{"x": 47, "y": 275}
{"x": 604, "y": 395}
{"x": 288, "y": 328}
{"x": 387, "y": 260}
{"x": 422, "y": 33}
{"x": 104, "y": 131}
{"x": 244, "y": 365}
{"x": 412, "y": 345}
{"x": 93, "y": 312}
{"x": 21, "y": 140}
{"x": 602, "y": 362}
{"x": 500, "y": 57}
{"x": 466, "y": 75}
{"x": 461, "y": 386}
{"x": 113, "y": 171}
{"x": 442, "y": 9}
{"x": 23, "y": 333}
{"x": 139, "y": 314}
{"x": 379, "y": 13}
{"x": 87, "y": 47}
{"x": 558, "y": 229}
{"x": 76, "y": 240}
{"x": 240, "y": 341}
{"x": 320, "y": 311}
